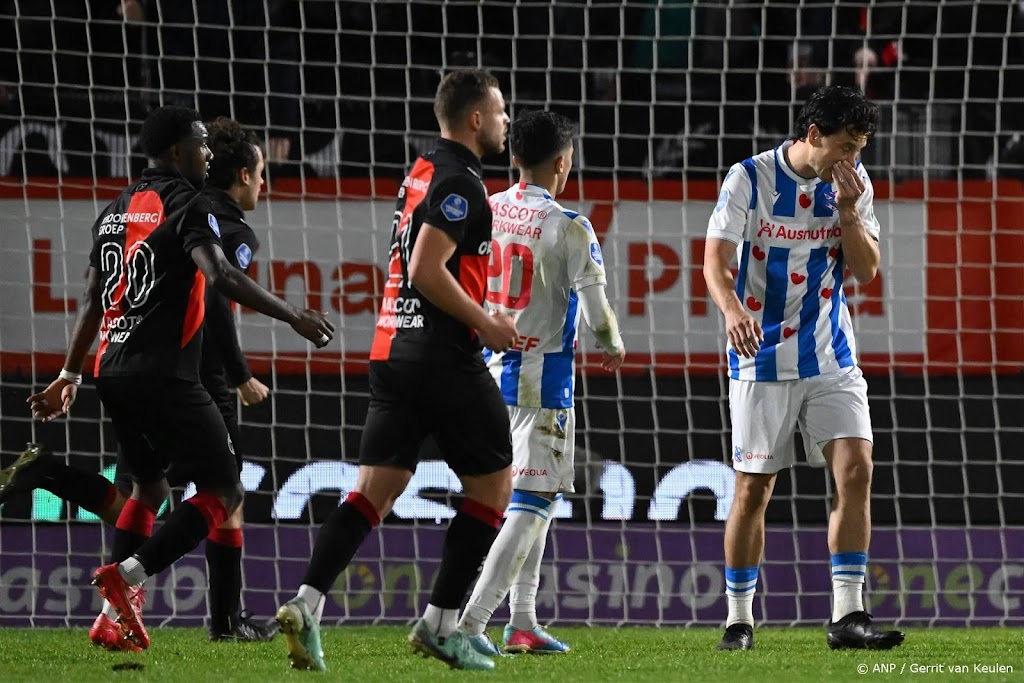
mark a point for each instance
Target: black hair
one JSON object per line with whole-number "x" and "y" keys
{"x": 459, "y": 91}
{"x": 538, "y": 136}
{"x": 234, "y": 148}
{"x": 165, "y": 127}
{"x": 834, "y": 108}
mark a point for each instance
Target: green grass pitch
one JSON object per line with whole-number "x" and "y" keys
{"x": 369, "y": 654}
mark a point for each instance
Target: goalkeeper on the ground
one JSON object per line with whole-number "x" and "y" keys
{"x": 546, "y": 268}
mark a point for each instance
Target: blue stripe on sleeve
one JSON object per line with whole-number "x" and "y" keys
{"x": 807, "y": 362}
{"x": 777, "y": 284}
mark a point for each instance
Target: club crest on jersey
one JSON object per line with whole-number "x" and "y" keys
{"x": 562, "y": 417}
{"x": 595, "y": 253}
{"x": 723, "y": 199}
{"x": 454, "y": 207}
{"x": 214, "y": 225}
{"x": 243, "y": 255}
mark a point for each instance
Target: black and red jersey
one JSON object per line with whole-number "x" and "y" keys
{"x": 223, "y": 366}
{"x": 445, "y": 190}
{"x": 152, "y": 291}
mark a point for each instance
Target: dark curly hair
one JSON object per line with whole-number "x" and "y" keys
{"x": 834, "y": 108}
{"x": 537, "y": 136}
{"x": 234, "y": 148}
{"x": 459, "y": 91}
{"x": 165, "y": 127}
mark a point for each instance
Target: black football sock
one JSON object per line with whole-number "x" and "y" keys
{"x": 224, "y": 571}
{"x": 340, "y": 537}
{"x": 88, "y": 490}
{"x": 189, "y": 524}
{"x": 134, "y": 527}
{"x": 469, "y": 537}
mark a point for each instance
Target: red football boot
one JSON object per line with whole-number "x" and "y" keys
{"x": 106, "y": 633}
{"x": 124, "y": 599}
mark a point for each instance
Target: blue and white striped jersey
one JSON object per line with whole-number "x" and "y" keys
{"x": 542, "y": 255}
{"x": 790, "y": 275}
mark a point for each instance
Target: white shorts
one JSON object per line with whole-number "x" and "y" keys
{"x": 543, "y": 442}
{"x": 766, "y": 415}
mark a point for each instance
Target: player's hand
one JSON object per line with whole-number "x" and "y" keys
{"x": 612, "y": 362}
{"x": 847, "y": 184}
{"x": 253, "y": 392}
{"x": 54, "y": 401}
{"x": 314, "y": 326}
{"x": 500, "y": 332}
{"x": 744, "y": 333}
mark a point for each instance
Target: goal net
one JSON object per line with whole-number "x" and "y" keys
{"x": 668, "y": 95}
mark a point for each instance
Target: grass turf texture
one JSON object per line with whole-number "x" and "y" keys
{"x": 599, "y": 654}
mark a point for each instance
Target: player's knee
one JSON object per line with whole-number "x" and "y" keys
{"x": 237, "y": 496}
{"x": 855, "y": 477}
{"x": 231, "y": 497}
{"x": 752, "y": 493}
{"x": 493, "y": 490}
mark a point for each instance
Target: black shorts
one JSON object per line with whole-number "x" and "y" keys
{"x": 460, "y": 406}
{"x": 162, "y": 424}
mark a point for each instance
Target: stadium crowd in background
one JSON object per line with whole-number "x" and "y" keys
{"x": 658, "y": 87}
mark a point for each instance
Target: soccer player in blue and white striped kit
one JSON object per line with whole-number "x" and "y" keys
{"x": 800, "y": 216}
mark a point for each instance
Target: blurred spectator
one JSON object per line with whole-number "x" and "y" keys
{"x": 70, "y": 82}
{"x": 237, "y": 58}
{"x": 70, "y": 58}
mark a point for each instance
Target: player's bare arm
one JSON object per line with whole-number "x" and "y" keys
{"x": 744, "y": 332}
{"x": 860, "y": 249}
{"x": 427, "y": 271}
{"x": 237, "y": 286}
{"x": 57, "y": 398}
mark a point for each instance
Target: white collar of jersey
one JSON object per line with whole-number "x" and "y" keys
{"x": 531, "y": 188}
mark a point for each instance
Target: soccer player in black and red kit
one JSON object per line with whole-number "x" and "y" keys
{"x": 427, "y": 377}
{"x": 233, "y": 187}
{"x": 155, "y": 249}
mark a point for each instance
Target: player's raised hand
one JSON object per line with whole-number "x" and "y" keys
{"x": 253, "y": 392}
{"x": 847, "y": 183}
{"x": 500, "y": 332}
{"x": 54, "y": 401}
{"x": 314, "y": 326}
{"x": 744, "y": 332}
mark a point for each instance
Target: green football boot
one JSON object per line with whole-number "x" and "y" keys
{"x": 456, "y": 650}
{"x": 301, "y": 635}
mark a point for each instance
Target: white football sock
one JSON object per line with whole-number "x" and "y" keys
{"x": 132, "y": 571}
{"x": 525, "y": 518}
{"x": 522, "y": 601}
{"x": 314, "y": 600}
{"x": 443, "y": 622}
